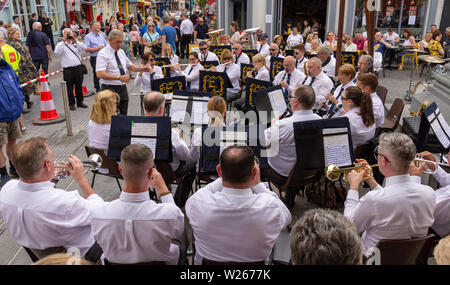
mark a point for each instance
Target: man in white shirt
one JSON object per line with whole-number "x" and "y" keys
{"x": 274, "y": 52}
{"x": 112, "y": 68}
{"x": 328, "y": 61}
{"x": 300, "y": 59}
{"x": 15, "y": 23}
{"x": 290, "y": 77}
{"x": 239, "y": 56}
{"x": 403, "y": 209}
{"x": 368, "y": 82}
{"x": 134, "y": 229}
{"x": 186, "y": 31}
{"x": 295, "y": 38}
{"x": 319, "y": 81}
{"x": 154, "y": 104}
{"x": 40, "y": 216}
{"x": 280, "y": 137}
{"x": 230, "y": 223}
{"x": 441, "y": 224}
{"x": 205, "y": 54}
{"x": 263, "y": 46}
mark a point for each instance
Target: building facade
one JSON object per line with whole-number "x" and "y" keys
{"x": 273, "y": 15}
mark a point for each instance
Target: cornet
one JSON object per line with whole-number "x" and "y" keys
{"x": 94, "y": 162}
{"x": 418, "y": 160}
{"x": 333, "y": 173}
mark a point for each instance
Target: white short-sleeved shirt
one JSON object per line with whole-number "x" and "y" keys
{"x": 209, "y": 56}
{"x": 378, "y": 109}
{"x": 301, "y": 63}
{"x": 264, "y": 50}
{"x": 106, "y": 61}
{"x": 234, "y": 73}
{"x": 263, "y": 74}
{"x": 70, "y": 53}
{"x": 98, "y": 135}
{"x": 442, "y": 213}
{"x": 293, "y": 40}
{"x": 192, "y": 75}
{"x": 144, "y": 80}
{"x": 297, "y": 78}
{"x": 322, "y": 86}
{"x": 360, "y": 132}
{"x": 330, "y": 68}
{"x": 243, "y": 58}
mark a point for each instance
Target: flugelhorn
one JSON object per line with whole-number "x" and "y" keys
{"x": 333, "y": 172}
{"x": 418, "y": 160}
{"x": 94, "y": 162}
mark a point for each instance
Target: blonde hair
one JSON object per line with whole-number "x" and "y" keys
{"x": 348, "y": 69}
{"x": 278, "y": 37}
{"x": 309, "y": 38}
{"x": 102, "y": 108}
{"x": 164, "y": 54}
{"x": 259, "y": 57}
{"x": 62, "y": 259}
{"x": 442, "y": 251}
{"x": 11, "y": 32}
{"x": 226, "y": 55}
{"x": 216, "y": 110}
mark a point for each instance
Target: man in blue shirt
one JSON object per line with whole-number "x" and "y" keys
{"x": 94, "y": 42}
{"x": 168, "y": 34}
{"x": 382, "y": 45}
{"x": 38, "y": 45}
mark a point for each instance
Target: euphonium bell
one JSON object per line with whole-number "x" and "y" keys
{"x": 214, "y": 37}
{"x": 333, "y": 173}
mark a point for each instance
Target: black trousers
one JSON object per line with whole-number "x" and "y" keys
{"x": 50, "y": 37}
{"x": 93, "y": 60}
{"x": 185, "y": 40}
{"x": 74, "y": 78}
{"x": 123, "y": 94}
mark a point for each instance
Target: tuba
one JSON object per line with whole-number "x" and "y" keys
{"x": 214, "y": 37}
{"x": 252, "y": 37}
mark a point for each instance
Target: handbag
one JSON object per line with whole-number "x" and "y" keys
{"x": 83, "y": 67}
{"x": 155, "y": 49}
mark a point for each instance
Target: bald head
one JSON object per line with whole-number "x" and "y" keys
{"x": 236, "y": 165}
{"x": 237, "y": 49}
{"x": 274, "y": 50}
{"x": 314, "y": 66}
{"x": 154, "y": 104}
{"x": 289, "y": 64}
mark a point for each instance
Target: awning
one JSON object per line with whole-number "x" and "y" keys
{"x": 89, "y": 2}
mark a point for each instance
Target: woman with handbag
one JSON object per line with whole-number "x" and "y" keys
{"x": 151, "y": 40}
{"x": 73, "y": 68}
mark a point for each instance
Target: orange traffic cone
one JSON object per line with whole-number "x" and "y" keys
{"x": 85, "y": 92}
{"x": 48, "y": 112}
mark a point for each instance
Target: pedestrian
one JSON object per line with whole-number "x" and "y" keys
{"x": 201, "y": 30}
{"x": 34, "y": 18}
{"x": 38, "y": 46}
{"x": 75, "y": 27}
{"x": 135, "y": 39}
{"x": 64, "y": 26}
{"x": 126, "y": 45}
{"x": 47, "y": 24}
{"x": 186, "y": 31}
{"x": 94, "y": 42}
{"x": 168, "y": 34}
{"x": 151, "y": 40}
{"x": 3, "y": 30}
{"x": 112, "y": 67}
{"x": 11, "y": 104}
{"x": 15, "y": 23}
{"x": 70, "y": 51}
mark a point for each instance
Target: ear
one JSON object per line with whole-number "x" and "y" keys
{"x": 219, "y": 170}
{"x": 253, "y": 172}
{"x": 120, "y": 169}
{"x": 149, "y": 174}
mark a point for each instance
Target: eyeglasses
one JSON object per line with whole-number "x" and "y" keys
{"x": 345, "y": 98}
{"x": 235, "y": 48}
{"x": 376, "y": 153}
{"x": 272, "y": 49}
{"x": 192, "y": 59}
{"x": 151, "y": 59}
{"x": 296, "y": 53}
{"x": 203, "y": 48}
{"x": 292, "y": 97}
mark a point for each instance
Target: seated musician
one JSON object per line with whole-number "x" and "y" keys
{"x": 281, "y": 132}
{"x": 168, "y": 52}
{"x": 319, "y": 81}
{"x": 259, "y": 62}
{"x": 40, "y": 216}
{"x": 239, "y": 56}
{"x": 403, "y": 209}
{"x": 290, "y": 77}
{"x": 368, "y": 82}
{"x": 315, "y": 43}
{"x": 234, "y": 73}
{"x": 365, "y": 63}
{"x": 134, "y": 229}
{"x": 230, "y": 223}
{"x": 144, "y": 79}
{"x": 262, "y": 46}
{"x": 300, "y": 59}
{"x": 205, "y": 54}
{"x": 274, "y": 52}
{"x": 154, "y": 104}
{"x": 191, "y": 73}
{"x": 441, "y": 224}
{"x": 328, "y": 60}
{"x": 358, "y": 109}
{"x": 346, "y": 75}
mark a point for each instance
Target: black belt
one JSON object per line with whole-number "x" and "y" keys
{"x": 114, "y": 86}
{"x": 72, "y": 67}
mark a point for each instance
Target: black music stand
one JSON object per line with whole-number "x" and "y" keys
{"x": 190, "y": 102}
{"x": 250, "y": 53}
{"x": 215, "y": 83}
{"x": 432, "y": 118}
{"x": 349, "y": 57}
{"x": 218, "y": 50}
{"x": 263, "y": 103}
{"x": 289, "y": 52}
{"x": 207, "y": 64}
{"x": 244, "y": 69}
{"x": 169, "y": 85}
{"x": 251, "y": 87}
{"x": 161, "y": 61}
{"x": 276, "y": 66}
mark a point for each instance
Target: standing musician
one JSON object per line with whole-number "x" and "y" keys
{"x": 319, "y": 81}
{"x": 300, "y": 59}
{"x": 259, "y": 62}
{"x": 328, "y": 60}
{"x": 441, "y": 224}
{"x": 205, "y": 54}
{"x": 145, "y": 79}
{"x": 358, "y": 109}
{"x": 234, "y": 73}
{"x": 192, "y": 72}
{"x": 368, "y": 82}
{"x": 403, "y": 209}
{"x": 290, "y": 77}
{"x": 239, "y": 56}
{"x": 274, "y": 52}
{"x": 346, "y": 74}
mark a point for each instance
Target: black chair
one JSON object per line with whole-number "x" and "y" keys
{"x": 108, "y": 163}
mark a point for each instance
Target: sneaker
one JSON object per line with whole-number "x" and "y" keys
{"x": 5, "y": 178}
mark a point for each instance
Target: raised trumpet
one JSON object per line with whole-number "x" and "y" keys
{"x": 333, "y": 172}
{"x": 94, "y": 162}
{"x": 418, "y": 160}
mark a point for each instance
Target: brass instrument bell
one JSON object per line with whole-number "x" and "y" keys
{"x": 333, "y": 172}
{"x": 252, "y": 37}
{"x": 214, "y": 37}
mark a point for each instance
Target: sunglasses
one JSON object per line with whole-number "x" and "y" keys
{"x": 203, "y": 48}
{"x": 272, "y": 49}
{"x": 296, "y": 53}
{"x": 151, "y": 59}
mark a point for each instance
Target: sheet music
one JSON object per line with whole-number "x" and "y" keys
{"x": 444, "y": 124}
{"x": 199, "y": 113}
{"x": 144, "y": 129}
{"x": 440, "y": 134}
{"x": 150, "y": 143}
{"x": 277, "y": 101}
{"x": 231, "y": 138}
{"x": 337, "y": 147}
{"x": 178, "y": 110}
{"x": 168, "y": 96}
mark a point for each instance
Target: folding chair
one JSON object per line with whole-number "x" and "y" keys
{"x": 108, "y": 163}
{"x": 382, "y": 93}
{"x": 393, "y": 117}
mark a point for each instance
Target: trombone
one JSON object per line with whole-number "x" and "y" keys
{"x": 333, "y": 172}
{"x": 418, "y": 160}
{"x": 94, "y": 162}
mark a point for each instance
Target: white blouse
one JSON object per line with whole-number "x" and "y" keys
{"x": 360, "y": 132}
{"x": 98, "y": 135}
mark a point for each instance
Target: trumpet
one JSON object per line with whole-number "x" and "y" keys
{"x": 333, "y": 173}
{"x": 94, "y": 162}
{"x": 418, "y": 160}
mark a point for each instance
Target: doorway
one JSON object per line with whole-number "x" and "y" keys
{"x": 238, "y": 12}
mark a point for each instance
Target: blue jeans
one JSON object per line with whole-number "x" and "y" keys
{"x": 41, "y": 62}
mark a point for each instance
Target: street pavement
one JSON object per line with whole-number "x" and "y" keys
{"x": 397, "y": 82}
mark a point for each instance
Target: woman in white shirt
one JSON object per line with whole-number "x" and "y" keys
{"x": 192, "y": 72}
{"x": 358, "y": 108}
{"x": 295, "y": 38}
{"x": 103, "y": 108}
{"x": 145, "y": 78}
{"x": 330, "y": 42}
{"x": 168, "y": 52}
{"x": 259, "y": 62}
{"x": 349, "y": 45}
{"x": 424, "y": 43}
{"x": 346, "y": 75}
